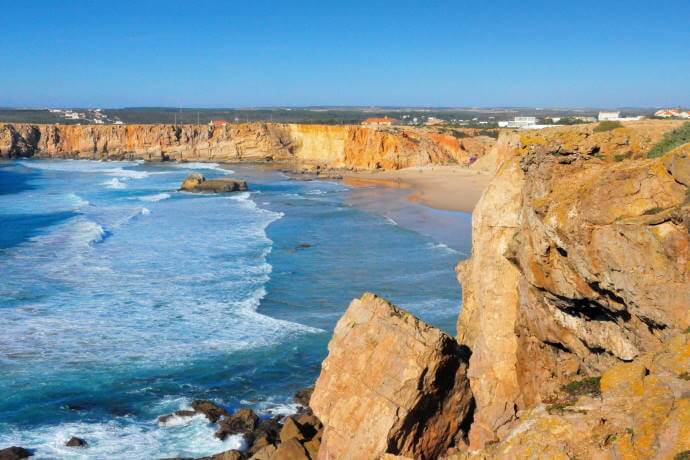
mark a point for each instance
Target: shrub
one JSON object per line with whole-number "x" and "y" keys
{"x": 607, "y": 125}
{"x": 488, "y": 132}
{"x": 588, "y": 386}
{"x": 671, "y": 140}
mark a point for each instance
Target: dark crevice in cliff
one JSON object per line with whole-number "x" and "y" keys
{"x": 558, "y": 346}
{"x": 588, "y": 309}
{"x": 448, "y": 382}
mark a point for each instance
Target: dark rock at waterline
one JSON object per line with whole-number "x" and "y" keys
{"x": 266, "y": 434}
{"x": 211, "y": 410}
{"x": 178, "y": 413}
{"x": 243, "y": 421}
{"x": 76, "y": 442}
{"x": 14, "y": 453}
{"x": 303, "y": 246}
{"x": 196, "y": 182}
{"x": 303, "y": 396}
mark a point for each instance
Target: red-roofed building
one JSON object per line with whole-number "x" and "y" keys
{"x": 219, "y": 122}
{"x": 385, "y": 121}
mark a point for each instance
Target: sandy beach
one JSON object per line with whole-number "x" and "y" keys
{"x": 451, "y": 188}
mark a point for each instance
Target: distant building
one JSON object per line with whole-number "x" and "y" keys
{"x": 519, "y": 122}
{"x": 609, "y": 116}
{"x": 431, "y": 121}
{"x": 616, "y": 116}
{"x": 585, "y": 119}
{"x": 671, "y": 113}
{"x": 385, "y": 121}
{"x": 219, "y": 123}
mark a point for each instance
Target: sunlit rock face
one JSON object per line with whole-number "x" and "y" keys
{"x": 390, "y": 384}
{"x": 579, "y": 263}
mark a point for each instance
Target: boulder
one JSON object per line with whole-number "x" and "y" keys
{"x": 243, "y": 421}
{"x": 303, "y": 396}
{"x": 265, "y": 453}
{"x": 290, "y": 450}
{"x": 211, "y": 410}
{"x": 14, "y": 453}
{"x": 229, "y": 455}
{"x": 390, "y": 384}
{"x": 178, "y": 413}
{"x": 76, "y": 442}
{"x": 196, "y": 182}
{"x": 266, "y": 433}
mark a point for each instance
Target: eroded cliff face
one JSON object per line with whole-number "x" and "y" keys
{"x": 355, "y": 147}
{"x": 578, "y": 264}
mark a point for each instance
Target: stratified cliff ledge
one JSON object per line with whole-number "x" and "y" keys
{"x": 576, "y": 314}
{"x": 341, "y": 146}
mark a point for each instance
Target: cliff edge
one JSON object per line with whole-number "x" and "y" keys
{"x": 576, "y": 310}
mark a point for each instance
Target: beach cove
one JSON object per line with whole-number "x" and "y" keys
{"x": 127, "y": 300}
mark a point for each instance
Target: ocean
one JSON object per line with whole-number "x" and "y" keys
{"x": 123, "y": 299}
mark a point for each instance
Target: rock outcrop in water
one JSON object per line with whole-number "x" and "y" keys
{"x": 341, "y": 146}
{"x": 391, "y": 384}
{"x": 196, "y": 182}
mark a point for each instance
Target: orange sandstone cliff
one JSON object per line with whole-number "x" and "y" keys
{"x": 342, "y": 146}
{"x": 575, "y": 321}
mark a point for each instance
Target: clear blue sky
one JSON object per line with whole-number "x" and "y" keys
{"x": 265, "y": 53}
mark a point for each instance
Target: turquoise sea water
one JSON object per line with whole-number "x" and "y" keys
{"x": 122, "y": 299}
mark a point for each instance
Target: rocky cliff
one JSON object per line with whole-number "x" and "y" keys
{"x": 341, "y": 146}
{"x": 576, "y": 308}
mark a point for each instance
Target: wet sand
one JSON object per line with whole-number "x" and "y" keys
{"x": 451, "y": 188}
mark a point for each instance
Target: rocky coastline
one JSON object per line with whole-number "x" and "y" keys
{"x": 574, "y": 336}
{"x": 342, "y": 146}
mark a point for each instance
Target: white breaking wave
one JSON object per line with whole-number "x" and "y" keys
{"x": 201, "y": 165}
{"x": 76, "y": 165}
{"x": 445, "y": 248}
{"x": 156, "y": 197}
{"x": 115, "y": 183}
{"x": 126, "y": 173}
{"x": 390, "y": 220}
{"x": 145, "y": 211}
{"x": 122, "y": 438}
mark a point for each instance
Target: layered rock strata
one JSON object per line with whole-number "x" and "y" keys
{"x": 578, "y": 264}
{"x": 343, "y": 146}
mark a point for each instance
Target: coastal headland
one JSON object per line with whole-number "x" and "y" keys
{"x": 573, "y": 339}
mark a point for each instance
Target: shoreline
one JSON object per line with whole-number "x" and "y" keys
{"x": 448, "y": 188}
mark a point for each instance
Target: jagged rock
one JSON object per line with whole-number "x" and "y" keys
{"x": 196, "y": 182}
{"x": 390, "y": 384}
{"x": 211, "y": 410}
{"x": 290, "y": 450}
{"x": 643, "y": 412}
{"x": 178, "y": 413}
{"x": 229, "y": 455}
{"x": 265, "y": 453}
{"x": 303, "y": 396}
{"x": 76, "y": 442}
{"x": 291, "y": 430}
{"x": 243, "y": 421}
{"x": 266, "y": 433}
{"x": 14, "y": 453}
{"x": 577, "y": 266}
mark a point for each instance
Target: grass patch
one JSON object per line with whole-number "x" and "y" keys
{"x": 589, "y": 386}
{"x": 607, "y": 125}
{"x": 671, "y": 140}
{"x": 685, "y": 455}
{"x": 488, "y": 132}
{"x": 619, "y": 157}
{"x": 654, "y": 210}
{"x": 685, "y": 376}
